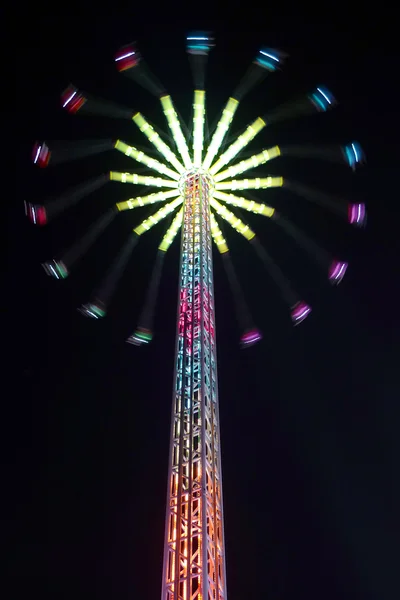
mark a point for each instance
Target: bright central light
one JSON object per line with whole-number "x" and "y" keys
{"x": 190, "y": 173}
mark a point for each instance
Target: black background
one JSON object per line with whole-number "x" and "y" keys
{"x": 309, "y": 417}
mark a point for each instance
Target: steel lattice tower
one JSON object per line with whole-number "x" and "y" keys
{"x": 194, "y": 553}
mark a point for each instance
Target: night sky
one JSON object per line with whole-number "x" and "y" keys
{"x": 309, "y": 417}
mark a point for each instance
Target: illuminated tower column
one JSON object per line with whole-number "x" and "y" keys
{"x": 194, "y": 552}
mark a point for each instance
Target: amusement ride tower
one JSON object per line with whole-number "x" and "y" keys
{"x": 197, "y": 182}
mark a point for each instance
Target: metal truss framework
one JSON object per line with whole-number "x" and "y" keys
{"x": 194, "y": 552}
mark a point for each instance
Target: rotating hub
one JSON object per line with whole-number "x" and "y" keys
{"x": 190, "y": 174}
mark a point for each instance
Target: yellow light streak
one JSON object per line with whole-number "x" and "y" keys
{"x": 250, "y": 184}
{"x": 198, "y": 126}
{"x": 221, "y": 131}
{"x": 144, "y": 200}
{"x": 218, "y": 238}
{"x": 172, "y": 231}
{"x": 249, "y": 163}
{"x": 142, "y": 179}
{"x": 242, "y": 141}
{"x": 156, "y": 140}
{"x": 176, "y": 130}
{"x": 249, "y": 205}
{"x": 233, "y": 220}
{"x": 157, "y": 217}
{"x": 141, "y": 157}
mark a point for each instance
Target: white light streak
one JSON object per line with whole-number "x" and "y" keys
{"x": 69, "y": 99}
{"x": 125, "y": 56}
{"x": 324, "y": 95}
{"x": 269, "y": 55}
